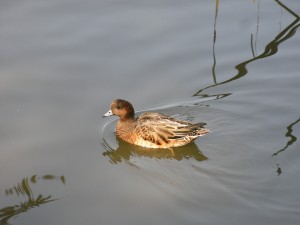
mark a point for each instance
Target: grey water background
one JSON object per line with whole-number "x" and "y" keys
{"x": 236, "y": 68}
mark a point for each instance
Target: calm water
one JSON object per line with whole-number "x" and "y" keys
{"x": 63, "y": 62}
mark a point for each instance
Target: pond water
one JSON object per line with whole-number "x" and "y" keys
{"x": 234, "y": 65}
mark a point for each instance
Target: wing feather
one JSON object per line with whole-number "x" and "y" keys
{"x": 160, "y": 129}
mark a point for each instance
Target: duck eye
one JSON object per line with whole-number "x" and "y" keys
{"x": 119, "y": 106}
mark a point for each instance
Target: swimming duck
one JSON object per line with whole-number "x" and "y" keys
{"x": 153, "y": 130}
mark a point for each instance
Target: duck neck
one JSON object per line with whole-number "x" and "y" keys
{"x": 125, "y": 127}
{"x": 126, "y": 121}
{"x": 127, "y": 118}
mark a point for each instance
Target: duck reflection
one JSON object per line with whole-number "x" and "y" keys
{"x": 125, "y": 152}
{"x": 23, "y": 189}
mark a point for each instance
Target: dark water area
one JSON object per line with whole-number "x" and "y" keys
{"x": 233, "y": 65}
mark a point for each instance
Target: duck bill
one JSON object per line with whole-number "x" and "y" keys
{"x": 109, "y": 113}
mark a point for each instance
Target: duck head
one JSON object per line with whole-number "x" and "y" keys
{"x": 121, "y": 108}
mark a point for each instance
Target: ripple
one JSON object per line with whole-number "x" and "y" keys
{"x": 107, "y": 133}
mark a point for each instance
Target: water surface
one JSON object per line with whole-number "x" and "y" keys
{"x": 235, "y": 68}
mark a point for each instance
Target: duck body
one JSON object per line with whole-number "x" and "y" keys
{"x": 153, "y": 130}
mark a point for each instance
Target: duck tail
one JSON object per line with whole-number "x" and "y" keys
{"x": 202, "y": 131}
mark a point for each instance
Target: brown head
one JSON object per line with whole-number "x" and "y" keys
{"x": 121, "y": 108}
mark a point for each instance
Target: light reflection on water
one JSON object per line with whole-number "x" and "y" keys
{"x": 235, "y": 68}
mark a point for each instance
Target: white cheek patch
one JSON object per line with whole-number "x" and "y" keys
{"x": 109, "y": 113}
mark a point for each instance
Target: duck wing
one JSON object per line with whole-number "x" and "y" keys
{"x": 161, "y": 129}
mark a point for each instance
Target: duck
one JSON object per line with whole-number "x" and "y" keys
{"x": 152, "y": 129}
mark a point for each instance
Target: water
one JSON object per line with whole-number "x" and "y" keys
{"x": 63, "y": 62}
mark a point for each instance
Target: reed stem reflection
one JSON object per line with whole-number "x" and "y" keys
{"x": 290, "y": 135}
{"x": 23, "y": 189}
{"x": 270, "y": 49}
